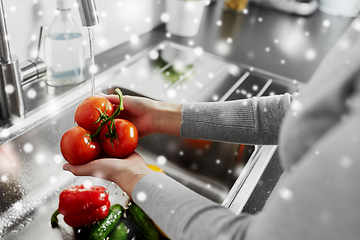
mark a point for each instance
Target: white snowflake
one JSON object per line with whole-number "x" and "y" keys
{"x": 4, "y": 178}
{"x": 141, "y": 196}
{"x": 40, "y": 158}
{"x": 88, "y": 184}
{"x": 58, "y": 158}
{"x": 28, "y": 147}
{"x": 154, "y": 55}
{"x": 9, "y": 88}
{"x": 134, "y": 39}
{"x": 31, "y": 93}
{"x": 164, "y": 17}
{"x": 296, "y": 106}
{"x": 12, "y": 8}
{"x": 310, "y": 54}
{"x": 233, "y": 70}
{"x": 93, "y": 69}
{"x": 198, "y": 51}
{"x": 286, "y": 194}
{"x": 346, "y": 162}
{"x": 18, "y": 206}
{"x": 326, "y": 23}
{"x": 5, "y": 133}
{"x": 52, "y": 179}
{"x": 161, "y": 160}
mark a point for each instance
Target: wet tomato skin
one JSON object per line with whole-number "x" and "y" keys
{"x": 87, "y": 113}
{"x": 76, "y": 147}
{"x": 124, "y": 144}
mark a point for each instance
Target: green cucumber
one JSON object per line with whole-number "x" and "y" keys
{"x": 122, "y": 231}
{"x": 144, "y": 227}
{"x": 103, "y": 228}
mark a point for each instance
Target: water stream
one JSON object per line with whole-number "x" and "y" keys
{"x": 92, "y": 60}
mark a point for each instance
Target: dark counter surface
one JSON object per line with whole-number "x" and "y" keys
{"x": 288, "y": 45}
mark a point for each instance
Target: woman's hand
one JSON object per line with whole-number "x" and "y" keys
{"x": 150, "y": 116}
{"x": 139, "y": 111}
{"x": 124, "y": 172}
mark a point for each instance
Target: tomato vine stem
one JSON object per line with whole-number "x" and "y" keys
{"x": 112, "y": 117}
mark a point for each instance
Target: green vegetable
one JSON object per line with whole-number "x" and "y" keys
{"x": 103, "y": 228}
{"x": 172, "y": 74}
{"x": 144, "y": 227}
{"x": 122, "y": 231}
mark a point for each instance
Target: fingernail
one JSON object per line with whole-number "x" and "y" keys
{"x": 65, "y": 168}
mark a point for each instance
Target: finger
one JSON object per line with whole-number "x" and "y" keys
{"x": 114, "y": 99}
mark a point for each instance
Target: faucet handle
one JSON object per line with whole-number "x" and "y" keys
{"x": 34, "y": 68}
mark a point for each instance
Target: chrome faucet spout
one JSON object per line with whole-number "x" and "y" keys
{"x": 88, "y": 13}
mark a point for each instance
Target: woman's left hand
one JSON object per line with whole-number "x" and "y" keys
{"x": 124, "y": 172}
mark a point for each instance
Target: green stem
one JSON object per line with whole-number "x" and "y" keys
{"x": 54, "y": 220}
{"x": 117, "y": 112}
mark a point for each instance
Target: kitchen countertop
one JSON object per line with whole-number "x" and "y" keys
{"x": 288, "y": 45}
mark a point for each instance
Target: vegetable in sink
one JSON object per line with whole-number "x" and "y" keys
{"x": 82, "y": 205}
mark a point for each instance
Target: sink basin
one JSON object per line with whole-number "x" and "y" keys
{"x": 209, "y": 168}
{"x": 30, "y": 160}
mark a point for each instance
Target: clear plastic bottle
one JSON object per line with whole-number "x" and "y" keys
{"x": 64, "y": 50}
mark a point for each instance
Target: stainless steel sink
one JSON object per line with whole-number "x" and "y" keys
{"x": 30, "y": 160}
{"x": 209, "y": 168}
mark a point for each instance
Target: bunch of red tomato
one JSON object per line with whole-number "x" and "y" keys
{"x": 99, "y": 131}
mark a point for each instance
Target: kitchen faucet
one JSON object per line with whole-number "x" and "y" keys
{"x": 13, "y": 75}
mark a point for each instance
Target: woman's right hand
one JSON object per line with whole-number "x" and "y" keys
{"x": 150, "y": 116}
{"x": 139, "y": 111}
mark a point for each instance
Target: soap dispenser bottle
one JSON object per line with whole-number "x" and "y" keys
{"x": 64, "y": 49}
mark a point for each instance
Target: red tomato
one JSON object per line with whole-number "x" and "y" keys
{"x": 124, "y": 143}
{"x": 76, "y": 147}
{"x": 87, "y": 112}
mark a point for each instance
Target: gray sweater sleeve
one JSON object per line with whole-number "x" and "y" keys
{"x": 317, "y": 199}
{"x": 183, "y": 214}
{"x": 249, "y": 121}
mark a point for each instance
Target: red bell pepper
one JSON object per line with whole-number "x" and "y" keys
{"x": 82, "y": 205}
